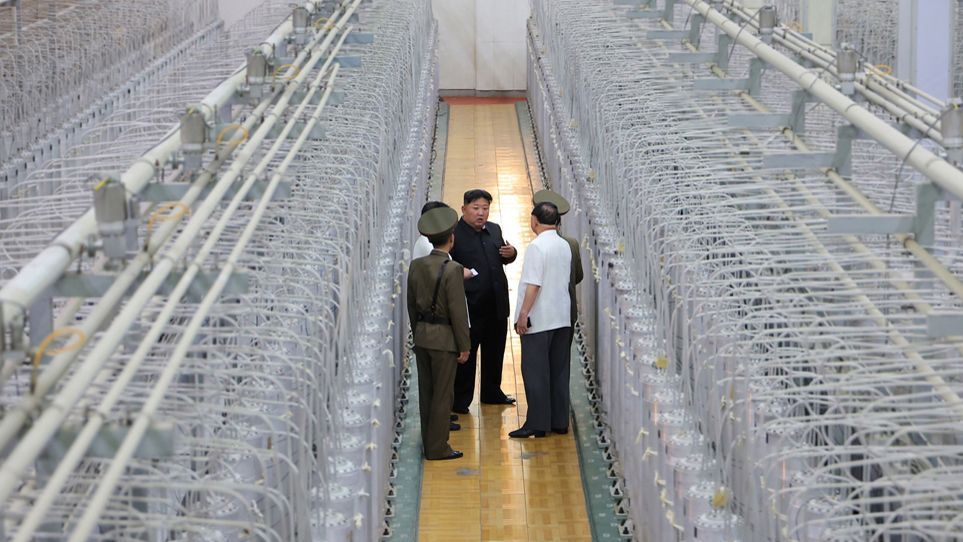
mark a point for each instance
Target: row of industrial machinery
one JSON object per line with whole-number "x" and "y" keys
{"x": 774, "y": 228}
{"x": 200, "y": 303}
{"x": 202, "y": 260}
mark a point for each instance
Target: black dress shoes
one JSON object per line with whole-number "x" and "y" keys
{"x": 452, "y": 426}
{"x": 504, "y": 400}
{"x": 460, "y": 410}
{"x": 455, "y": 454}
{"x": 524, "y": 432}
{"x": 453, "y": 418}
{"x": 560, "y": 431}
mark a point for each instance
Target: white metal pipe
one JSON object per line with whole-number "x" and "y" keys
{"x": 50, "y": 420}
{"x": 906, "y": 96}
{"x": 920, "y": 364}
{"x": 106, "y": 305}
{"x": 941, "y": 172}
{"x": 81, "y": 443}
{"x": 132, "y": 440}
{"x": 49, "y": 265}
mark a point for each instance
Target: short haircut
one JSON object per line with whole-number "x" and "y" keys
{"x": 432, "y": 205}
{"x": 477, "y": 193}
{"x": 546, "y": 213}
{"x": 439, "y": 239}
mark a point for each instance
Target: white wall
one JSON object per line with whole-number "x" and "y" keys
{"x": 925, "y": 55}
{"x": 482, "y": 43}
{"x": 234, "y": 10}
{"x": 500, "y": 44}
{"x": 456, "y": 42}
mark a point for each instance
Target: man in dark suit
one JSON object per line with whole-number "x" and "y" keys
{"x": 481, "y": 249}
{"x": 577, "y": 274}
{"x": 439, "y": 323}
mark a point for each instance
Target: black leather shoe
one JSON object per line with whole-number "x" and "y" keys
{"x": 524, "y": 432}
{"x": 560, "y": 431}
{"x": 460, "y": 410}
{"x": 452, "y": 426}
{"x": 505, "y": 400}
{"x": 455, "y": 454}
{"x": 453, "y": 418}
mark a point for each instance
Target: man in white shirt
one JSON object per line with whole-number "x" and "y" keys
{"x": 422, "y": 247}
{"x": 542, "y": 319}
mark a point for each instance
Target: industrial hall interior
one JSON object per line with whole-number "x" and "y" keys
{"x": 481, "y": 270}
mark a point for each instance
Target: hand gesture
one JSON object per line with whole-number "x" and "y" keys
{"x": 506, "y": 250}
{"x": 462, "y": 357}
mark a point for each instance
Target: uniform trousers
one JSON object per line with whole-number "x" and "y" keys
{"x": 545, "y": 370}
{"x": 488, "y": 333}
{"x": 436, "y": 379}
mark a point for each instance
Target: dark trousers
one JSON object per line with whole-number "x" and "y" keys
{"x": 488, "y": 333}
{"x": 545, "y": 370}
{"x": 436, "y": 379}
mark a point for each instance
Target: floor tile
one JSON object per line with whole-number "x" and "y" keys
{"x": 503, "y": 489}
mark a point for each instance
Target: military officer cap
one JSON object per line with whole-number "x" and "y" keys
{"x": 556, "y": 199}
{"x": 437, "y": 221}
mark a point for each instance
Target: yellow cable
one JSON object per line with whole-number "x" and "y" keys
{"x": 100, "y": 184}
{"x": 281, "y": 68}
{"x": 169, "y": 210}
{"x": 234, "y": 126}
{"x": 45, "y": 345}
{"x": 882, "y": 69}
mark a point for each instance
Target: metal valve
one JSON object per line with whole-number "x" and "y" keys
{"x": 258, "y": 72}
{"x": 300, "y": 19}
{"x": 847, "y": 64}
{"x": 951, "y": 128}
{"x": 116, "y": 218}
{"x": 767, "y": 22}
{"x": 194, "y": 136}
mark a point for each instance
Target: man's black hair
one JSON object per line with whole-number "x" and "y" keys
{"x": 432, "y": 205}
{"x": 546, "y": 213}
{"x": 477, "y": 193}
{"x": 439, "y": 239}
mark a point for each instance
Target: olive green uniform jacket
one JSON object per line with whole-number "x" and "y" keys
{"x": 422, "y": 276}
{"x": 575, "y": 276}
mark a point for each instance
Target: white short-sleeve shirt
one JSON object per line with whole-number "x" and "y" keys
{"x": 548, "y": 263}
{"x": 422, "y": 248}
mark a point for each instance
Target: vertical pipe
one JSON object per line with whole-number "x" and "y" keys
{"x": 906, "y": 41}
{"x": 925, "y": 58}
{"x": 934, "y": 47}
{"x": 18, "y": 21}
{"x": 819, "y": 19}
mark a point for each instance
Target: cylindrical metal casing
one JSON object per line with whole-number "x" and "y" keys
{"x": 951, "y": 128}
{"x": 299, "y": 18}
{"x": 258, "y": 67}
{"x": 193, "y": 130}
{"x": 767, "y": 22}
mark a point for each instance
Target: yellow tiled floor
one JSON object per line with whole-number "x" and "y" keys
{"x": 503, "y": 489}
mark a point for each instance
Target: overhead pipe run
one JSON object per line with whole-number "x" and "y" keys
{"x": 41, "y": 432}
{"x": 47, "y": 267}
{"x": 944, "y": 174}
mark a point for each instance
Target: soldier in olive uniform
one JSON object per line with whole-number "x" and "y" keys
{"x": 576, "y": 276}
{"x": 439, "y": 321}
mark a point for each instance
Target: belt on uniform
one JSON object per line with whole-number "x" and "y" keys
{"x": 431, "y": 316}
{"x": 434, "y": 319}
